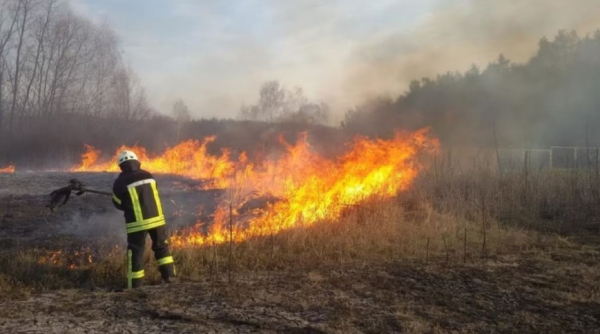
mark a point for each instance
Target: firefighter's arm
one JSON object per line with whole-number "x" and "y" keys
{"x": 117, "y": 197}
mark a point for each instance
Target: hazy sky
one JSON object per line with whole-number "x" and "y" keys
{"x": 216, "y": 54}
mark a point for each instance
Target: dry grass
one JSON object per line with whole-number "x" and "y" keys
{"x": 563, "y": 201}
{"x": 377, "y": 231}
{"x": 387, "y": 265}
{"x": 448, "y": 218}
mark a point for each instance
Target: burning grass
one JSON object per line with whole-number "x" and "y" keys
{"x": 452, "y": 218}
{"x": 453, "y": 250}
{"x": 7, "y": 169}
{"x": 376, "y": 231}
{"x": 449, "y": 217}
{"x": 306, "y": 187}
{"x": 377, "y": 202}
{"x": 189, "y": 159}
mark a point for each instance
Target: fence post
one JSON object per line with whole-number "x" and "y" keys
{"x": 551, "y": 165}
{"x": 450, "y": 160}
{"x": 597, "y": 154}
{"x": 526, "y": 160}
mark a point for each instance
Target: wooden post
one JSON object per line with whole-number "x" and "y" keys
{"x": 450, "y": 160}
{"x": 230, "y": 241}
{"x": 465, "y": 247}
{"x": 483, "y": 246}
{"x": 216, "y": 260}
{"x": 435, "y": 166}
{"x": 427, "y": 253}
{"x": 446, "y": 248}
{"x": 526, "y": 160}
{"x": 597, "y": 153}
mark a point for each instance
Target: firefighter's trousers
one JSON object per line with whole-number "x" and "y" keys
{"x": 135, "y": 255}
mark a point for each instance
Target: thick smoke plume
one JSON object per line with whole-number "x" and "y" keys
{"x": 457, "y": 34}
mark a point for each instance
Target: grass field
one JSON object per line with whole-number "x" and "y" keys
{"x": 460, "y": 252}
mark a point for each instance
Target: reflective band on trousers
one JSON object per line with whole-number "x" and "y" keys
{"x": 136, "y": 274}
{"x": 130, "y": 273}
{"x": 116, "y": 199}
{"x": 145, "y": 224}
{"x": 165, "y": 260}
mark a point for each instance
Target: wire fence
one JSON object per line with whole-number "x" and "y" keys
{"x": 518, "y": 159}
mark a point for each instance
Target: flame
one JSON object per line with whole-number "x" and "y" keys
{"x": 70, "y": 260}
{"x": 189, "y": 159}
{"x": 301, "y": 186}
{"x": 310, "y": 188}
{"x": 8, "y": 169}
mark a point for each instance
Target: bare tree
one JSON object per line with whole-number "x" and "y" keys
{"x": 277, "y": 104}
{"x": 8, "y": 19}
{"x": 40, "y": 33}
{"x": 129, "y": 97}
{"x": 25, "y": 7}
{"x": 58, "y": 69}
{"x": 181, "y": 114}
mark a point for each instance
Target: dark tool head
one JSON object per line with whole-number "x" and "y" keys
{"x": 63, "y": 194}
{"x": 58, "y": 196}
{"x": 76, "y": 185}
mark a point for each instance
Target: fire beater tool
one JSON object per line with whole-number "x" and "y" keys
{"x": 60, "y": 197}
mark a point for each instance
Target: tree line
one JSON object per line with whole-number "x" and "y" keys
{"x": 55, "y": 64}
{"x": 64, "y": 83}
{"x": 551, "y": 99}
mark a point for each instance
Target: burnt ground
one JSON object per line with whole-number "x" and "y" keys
{"x": 554, "y": 289}
{"x": 25, "y": 220}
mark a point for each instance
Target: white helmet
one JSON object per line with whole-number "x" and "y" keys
{"x": 126, "y": 156}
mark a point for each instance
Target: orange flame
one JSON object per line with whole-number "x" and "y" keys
{"x": 75, "y": 260}
{"x": 311, "y": 188}
{"x": 304, "y": 186}
{"x": 8, "y": 169}
{"x": 189, "y": 159}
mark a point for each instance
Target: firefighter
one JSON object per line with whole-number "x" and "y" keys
{"x": 136, "y": 194}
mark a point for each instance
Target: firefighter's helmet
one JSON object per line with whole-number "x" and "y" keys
{"x": 126, "y": 156}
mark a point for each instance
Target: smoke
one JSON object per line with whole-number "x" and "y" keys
{"x": 216, "y": 56}
{"x": 97, "y": 225}
{"x": 457, "y": 34}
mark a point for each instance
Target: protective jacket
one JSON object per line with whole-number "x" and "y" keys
{"x": 135, "y": 193}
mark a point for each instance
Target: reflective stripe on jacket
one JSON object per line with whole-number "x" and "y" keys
{"x": 135, "y": 193}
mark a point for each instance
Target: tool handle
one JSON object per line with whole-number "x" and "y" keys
{"x": 96, "y": 192}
